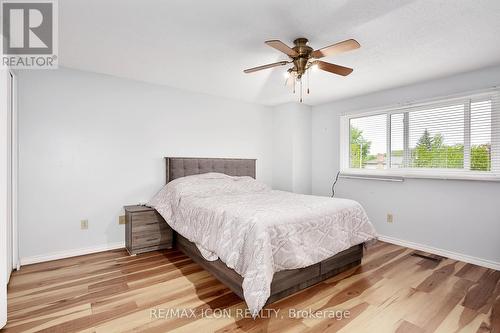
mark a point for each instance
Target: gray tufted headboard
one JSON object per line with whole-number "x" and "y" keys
{"x": 185, "y": 166}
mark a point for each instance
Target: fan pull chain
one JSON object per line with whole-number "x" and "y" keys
{"x": 308, "y": 81}
{"x": 300, "y": 90}
{"x": 293, "y": 86}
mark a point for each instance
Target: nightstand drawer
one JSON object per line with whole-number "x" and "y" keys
{"x": 152, "y": 226}
{"x": 146, "y": 218}
{"x": 141, "y": 240}
{"x": 146, "y": 230}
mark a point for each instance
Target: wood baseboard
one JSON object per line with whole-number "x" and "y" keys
{"x": 445, "y": 253}
{"x": 71, "y": 253}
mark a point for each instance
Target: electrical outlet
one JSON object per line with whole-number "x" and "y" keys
{"x": 84, "y": 224}
{"x": 390, "y": 218}
{"x": 121, "y": 219}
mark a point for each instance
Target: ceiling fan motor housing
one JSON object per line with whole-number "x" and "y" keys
{"x": 300, "y": 62}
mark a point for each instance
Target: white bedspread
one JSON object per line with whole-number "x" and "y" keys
{"x": 257, "y": 231}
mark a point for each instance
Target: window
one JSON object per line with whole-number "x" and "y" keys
{"x": 436, "y": 137}
{"x": 480, "y": 154}
{"x": 460, "y": 135}
{"x": 397, "y": 140}
{"x": 368, "y": 142}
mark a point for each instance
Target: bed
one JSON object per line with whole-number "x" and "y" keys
{"x": 248, "y": 236}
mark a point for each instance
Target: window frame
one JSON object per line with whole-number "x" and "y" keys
{"x": 431, "y": 173}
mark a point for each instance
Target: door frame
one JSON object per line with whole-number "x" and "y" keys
{"x": 9, "y": 253}
{"x": 14, "y": 153}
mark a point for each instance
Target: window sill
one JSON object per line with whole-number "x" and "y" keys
{"x": 400, "y": 175}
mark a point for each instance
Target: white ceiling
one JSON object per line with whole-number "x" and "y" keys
{"x": 203, "y": 46}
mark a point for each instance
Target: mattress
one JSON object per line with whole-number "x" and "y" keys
{"x": 258, "y": 231}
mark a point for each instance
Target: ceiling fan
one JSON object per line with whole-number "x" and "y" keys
{"x": 303, "y": 57}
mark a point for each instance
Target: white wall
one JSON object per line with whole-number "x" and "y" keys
{"x": 91, "y": 143}
{"x": 302, "y": 149}
{"x": 292, "y": 148}
{"x": 283, "y": 148}
{"x": 457, "y": 216}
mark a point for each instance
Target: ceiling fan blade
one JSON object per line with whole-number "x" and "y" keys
{"x": 344, "y": 46}
{"x": 332, "y": 68}
{"x": 280, "y": 46}
{"x": 258, "y": 68}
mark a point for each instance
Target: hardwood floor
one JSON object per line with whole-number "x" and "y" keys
{"x": 392, "y": 291}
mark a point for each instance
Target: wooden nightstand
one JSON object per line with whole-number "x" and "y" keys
{"x": 146, "y": 230}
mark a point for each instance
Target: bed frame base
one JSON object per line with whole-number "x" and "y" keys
{"x": 284, "y": 283}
